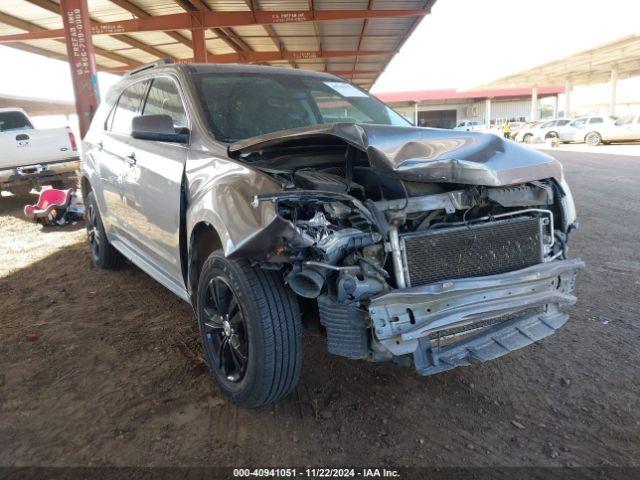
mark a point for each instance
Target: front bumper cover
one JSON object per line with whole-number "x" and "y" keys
{"x": 403, "y": 320}
{"x": 492, "y": 343}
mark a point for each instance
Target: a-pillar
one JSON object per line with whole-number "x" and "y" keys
{"x": 568, "y": 87}
{"x": 614, "y": 88}
{"x": 487, "y": 112}
{"x": 77, "y": 32}
{"x": 199, "y": 46}
{"x": 533, "y": 116}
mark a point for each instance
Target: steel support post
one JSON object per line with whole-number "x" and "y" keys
{"x": 199, "y": 45}
{"x": 82, "y": 61}
{"x": 534, "y": 105}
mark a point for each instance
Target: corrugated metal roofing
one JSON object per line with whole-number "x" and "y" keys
{"x": 582, "y": 68}
{"x": 327, "y": 37}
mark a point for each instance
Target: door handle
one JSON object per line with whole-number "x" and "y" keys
{"x": 130, "y": 159}
{"x": 99, "y": 146}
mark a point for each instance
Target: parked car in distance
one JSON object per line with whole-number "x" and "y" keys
{"x": 588, "y": 127}
{"x": 542, "y": 130}
{"x": 265, "y": 195}
{"x": 30, "y": 157}
{"x": 523, "y": 126}
{"x": 467, "y": 126}
{"x": 624, "y": 129}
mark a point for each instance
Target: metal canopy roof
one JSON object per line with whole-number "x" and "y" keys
{"x": 37, "y": 106}
{"x": 583, "y": 68}
{"x": 352, "y": 38}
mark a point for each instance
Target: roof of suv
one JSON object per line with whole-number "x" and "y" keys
{"x": 231, "y": 68}
{"x": 241, "y": 68}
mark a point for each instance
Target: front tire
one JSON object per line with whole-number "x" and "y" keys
{"x": 527, "y": 138}
{"x": 251, "y": 331}
{"x": 103, "y": 255}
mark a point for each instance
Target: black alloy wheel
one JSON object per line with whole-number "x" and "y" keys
{"x": 226, "y": 337}
{"x": 251, "y": 330}
{"x": 93, "y": 232}
{"x": 103, "y": 254}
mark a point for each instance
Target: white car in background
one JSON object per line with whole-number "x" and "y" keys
{"x": 588, "y": 130}
{"x": 467, "y": 126}
{"x": 541, "y": 131}
{"x": 624, "y": 129}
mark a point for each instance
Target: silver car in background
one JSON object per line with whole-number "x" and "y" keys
{"x": 541, "y": 131}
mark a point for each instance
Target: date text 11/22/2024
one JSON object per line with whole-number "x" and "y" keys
{"x": 316, "y": 473}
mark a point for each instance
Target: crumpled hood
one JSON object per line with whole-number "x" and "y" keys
{"x": 425, "y": 154}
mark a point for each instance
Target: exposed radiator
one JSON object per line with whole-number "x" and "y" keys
{"x": 473, "y": 251}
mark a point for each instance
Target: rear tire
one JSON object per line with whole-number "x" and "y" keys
{"x": 551, "y": 135}
{"x": 251, "y": 331}
{"x": 527, "y": 138}
{"x": 103, "y": 255}
{"x": 592, "y": 139}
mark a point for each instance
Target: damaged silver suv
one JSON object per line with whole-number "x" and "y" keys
{"x": 255, "y": 193}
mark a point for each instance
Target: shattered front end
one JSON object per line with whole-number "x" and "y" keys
{"x": 419, "y": 245}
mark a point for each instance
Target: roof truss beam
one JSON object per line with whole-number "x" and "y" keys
{"x": 36, "y": 29}
{"x": 140, "y": 13}
{"x": 210, "y": 19}
{"x": 53, "y": 7}
{"x": 261, "y": 57}
{"x": 228, "y": 37}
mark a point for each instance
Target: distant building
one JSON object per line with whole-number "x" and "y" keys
{"x": 446, "y": 108}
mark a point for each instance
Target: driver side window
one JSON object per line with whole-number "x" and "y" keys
{"x": 164, "y": 99}
{"x": 128, "y": 107}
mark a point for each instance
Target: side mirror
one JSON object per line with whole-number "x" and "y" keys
{"x": 158, "y": 128}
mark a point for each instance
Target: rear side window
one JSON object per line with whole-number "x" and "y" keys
{"x": 164, "y": 99}
{"x": 14, "y": 121}
{"x": 596, "y": 120}
{"x": 128, "y": 107}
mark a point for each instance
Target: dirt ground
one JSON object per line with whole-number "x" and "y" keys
{"x": 116, "y": 376}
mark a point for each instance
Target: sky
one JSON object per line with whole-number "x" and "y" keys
{"x": 462, "y": 43}
{"x": 465, "y": 43}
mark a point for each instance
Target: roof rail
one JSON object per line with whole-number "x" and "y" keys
{"x": 147, "y": 66}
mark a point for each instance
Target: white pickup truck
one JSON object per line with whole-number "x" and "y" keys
{"x": 30, "y": 157}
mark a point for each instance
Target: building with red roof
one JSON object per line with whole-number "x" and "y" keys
{"x": 488, "y": 107}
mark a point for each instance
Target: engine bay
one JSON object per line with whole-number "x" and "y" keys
{"x": 361, "y": 233}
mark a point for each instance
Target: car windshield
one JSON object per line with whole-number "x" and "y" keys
{"x": 14, "y": 121}
{"x": 239, "y": 106}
